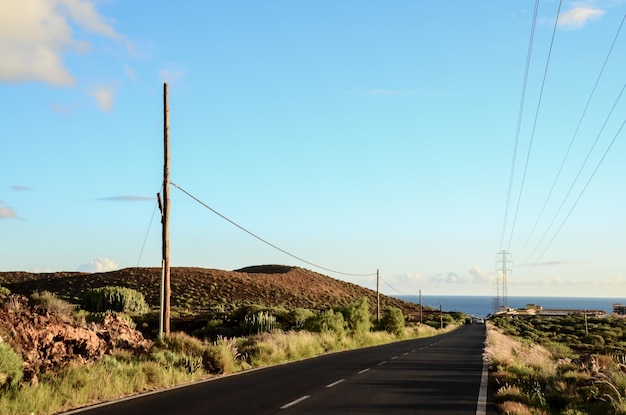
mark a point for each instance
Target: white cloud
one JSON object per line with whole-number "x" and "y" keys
{"x": 99, "y": 265}
{"x": 38, "y": 270}
{"x": 477, "y": 275}
{"x": 104, "y": 96}
{"x": 578, "y": 16}
{"x": 7, "y": 213}
{"x": 35, "y": 33}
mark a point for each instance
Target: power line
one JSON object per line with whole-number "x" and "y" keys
{"x": 575, "y": 135}
{"x": 532, "y": 135}
{"x": 519, "y": 120}
{"x": 145, "y": 239}
{"x": 263, "y": 240}
{"x": 392, "y": 287}
{"x": 580, "y": 171}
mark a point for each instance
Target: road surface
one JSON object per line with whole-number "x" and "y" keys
{"x": 437, "y": 375}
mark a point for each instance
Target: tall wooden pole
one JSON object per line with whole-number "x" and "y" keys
{"x": 377, "y": 295}
{"x": 165, "y": 306}
{"x": 421, "y": 307}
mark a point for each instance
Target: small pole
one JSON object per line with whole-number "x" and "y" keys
{"x": 377, "y": 295}
{"x": 421, "y": 308}
{"x": 165, "y": 305}
{"x": 440, "y": 316}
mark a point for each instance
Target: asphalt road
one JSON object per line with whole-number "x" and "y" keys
{"x": 436, "y": 375}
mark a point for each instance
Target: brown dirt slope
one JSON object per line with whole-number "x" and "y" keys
{"x": 197, "y": 289}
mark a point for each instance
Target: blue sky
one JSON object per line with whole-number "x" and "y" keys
{"x": 357, "y": 135}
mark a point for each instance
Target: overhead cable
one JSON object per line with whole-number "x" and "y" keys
{"x": 519, "y": 122}
{"x": 263, "y": 240}
{"x": 581, "y": 169}
{"x": 145, "y": 239}
{"x": 580, "y": 195}
{"x": 391, "y": 286}
{"x": 558, "y": 174}
{"x": 532, "y": 135}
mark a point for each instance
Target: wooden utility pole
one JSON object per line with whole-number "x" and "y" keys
{"x": 165, "y": 301}
{"x": 440, "y": 316}
{"x": 378, "y": 295}
{"x": 421, "y": 307}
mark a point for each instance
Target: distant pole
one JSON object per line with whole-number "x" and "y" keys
{"x": 165, "y": 305}
{"x": 421, "y": 308}
{"x": 440, "y": 316}
{"x": 378, "y": 295}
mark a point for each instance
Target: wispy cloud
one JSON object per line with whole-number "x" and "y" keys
{"x": 18, "y": 188}
{"x": 99, "y": 264}
{"x": 8, "y": 213}
{"x": 35, "y": 33}
{"x": 127, "y": 198}
{"x": 577, "y": 17}
{"x": 104, "y": 96}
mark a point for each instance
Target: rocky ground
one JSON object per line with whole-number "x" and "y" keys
{"x": 49, "y": 341}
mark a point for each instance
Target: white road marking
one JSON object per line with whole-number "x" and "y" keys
{"x": 297, "y": 401}
{"x": 364, "y": 370}
{"x": 481, "y": 405}
{"x": 335, "y": 383}
{"x": 382, "y": 363}
{"x": 404, "y": 354}
{"x": 413, "y": 351}
{"x": 394, "y": 358}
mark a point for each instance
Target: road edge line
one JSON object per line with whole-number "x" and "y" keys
{"x": 481, "y": 405}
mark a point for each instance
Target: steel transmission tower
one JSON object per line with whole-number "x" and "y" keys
{"x": 496, "y": 300}
{"x": 503, "y": 263}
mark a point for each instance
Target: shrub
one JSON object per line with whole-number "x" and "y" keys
{"x": 358, "y": 317}
{"x": 221, "y": 357}
{"x": 4, "y": 291}
{"x": 393, "y": 321}
{"x": 53, "y": 305}
{"x": 181, "y": 343}
{"x": 115, "y": 299}
{"x": 11, "y": 371}
{"x": 300, "y": 315}
{"x": 260, "y": 322}
{"x": 326, "y": 321}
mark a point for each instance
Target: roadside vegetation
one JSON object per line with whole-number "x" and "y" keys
{"x": 220, "y": 341}
{"x": 558, "y": 365}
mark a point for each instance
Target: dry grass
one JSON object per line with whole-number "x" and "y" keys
{"x": 501, "y": 350}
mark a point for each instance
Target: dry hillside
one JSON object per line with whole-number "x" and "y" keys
{"x": 198, "y": 289}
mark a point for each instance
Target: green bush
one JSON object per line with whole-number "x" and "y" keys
{"x": 115, "y": 299}
{"x": 393, "y": 321}
{"x": 4, "y": 291}
{"x": 358, "y": 317}
{"x": 260, "y": 322}
{"x": 326, "y": 321}
{"x": 300, "y": 315}
{"x": 11, "y": 371}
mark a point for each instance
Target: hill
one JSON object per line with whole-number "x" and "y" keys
{"x": 195, "y": 290}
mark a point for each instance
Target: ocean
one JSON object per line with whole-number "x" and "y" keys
{"x": 483, "y": 305}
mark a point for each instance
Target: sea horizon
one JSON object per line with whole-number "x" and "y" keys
{"x": 477, "y": 305}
